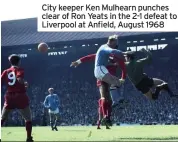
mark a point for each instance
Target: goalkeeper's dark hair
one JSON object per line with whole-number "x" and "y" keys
{"x": 14, "y": 59}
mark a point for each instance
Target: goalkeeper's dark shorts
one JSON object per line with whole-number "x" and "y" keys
{"x": 145, "y": 84}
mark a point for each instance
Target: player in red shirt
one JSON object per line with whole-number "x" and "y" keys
{"x": 16, "y": 97}
{"x": 112, "y": 68}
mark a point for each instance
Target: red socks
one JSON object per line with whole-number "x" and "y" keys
{"x": 100, "y": 112}
{"x": 28, "y": 125}
{"x": 104, "y": 107}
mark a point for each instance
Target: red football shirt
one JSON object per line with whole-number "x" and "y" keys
{"x": 9, "y": 78}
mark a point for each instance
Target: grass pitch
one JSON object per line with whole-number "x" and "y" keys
{"x": 90, "y": 133}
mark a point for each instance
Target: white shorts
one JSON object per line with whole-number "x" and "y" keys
{"x": 100, "y": 72}
{"x": 55, "y": 111}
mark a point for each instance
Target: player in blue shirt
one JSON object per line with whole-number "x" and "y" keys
{"x": 101, "y": 73}
{"x": 101, "y": 61}
{"x": 52, "y": 104}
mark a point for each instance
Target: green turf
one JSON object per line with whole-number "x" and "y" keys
{"x": 116, "y": 133}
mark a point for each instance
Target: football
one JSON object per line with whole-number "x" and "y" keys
{"x": 43, "y": 47}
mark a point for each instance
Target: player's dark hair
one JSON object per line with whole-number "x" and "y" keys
{"x": 14, "y": 59}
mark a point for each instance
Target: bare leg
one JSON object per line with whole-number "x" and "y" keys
{"x": 149, "y": 95}
{"x": 55, "y": 122}
{"x": 112, "y": 80}
{"x": 104, "y": 91}
{"x": 51, "y": 118}
{"x": 26, "y": 114}
{"x": 5, "y": 113}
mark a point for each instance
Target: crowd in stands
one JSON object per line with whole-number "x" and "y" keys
{"x": 78, "y": 95}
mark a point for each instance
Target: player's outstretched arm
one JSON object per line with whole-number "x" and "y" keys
{"x": 74, "y": 64}
{"x": 87, "y": 58}
{"x": 129, "y": 52}
{"x": 146, "y": 60}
